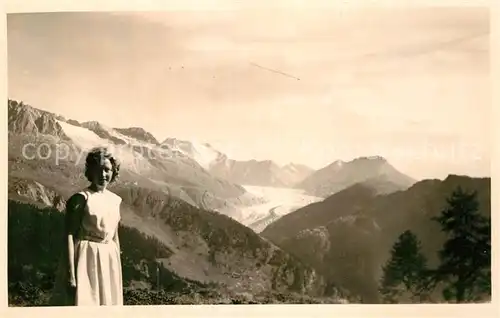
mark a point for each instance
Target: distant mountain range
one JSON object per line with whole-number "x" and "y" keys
{"x": 29, "y": 120}
{"x": 187, "y": 163}
{"x": 264, "y": 173}
{"x": 144, "y": 161}
{"x": 249, "y": 172}
{"x": 340, "y": 175}
{"x": 191, "y": 171}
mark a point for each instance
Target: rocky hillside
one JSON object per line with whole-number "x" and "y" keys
{"x": 340, "y": 175}
{"x": 24, "y": 190}
{"x": 348, "y": 236}
{"x": 211, "y": 247}
{"x": 203, "y": 247}
{"x": 24, "y": 119}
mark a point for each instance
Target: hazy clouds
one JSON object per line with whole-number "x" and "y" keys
{"x": 400, "y": 77}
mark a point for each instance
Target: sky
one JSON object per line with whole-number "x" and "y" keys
{"x": 308, "y": 86}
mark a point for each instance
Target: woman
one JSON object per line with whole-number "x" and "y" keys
{"x": 91, "y": 272}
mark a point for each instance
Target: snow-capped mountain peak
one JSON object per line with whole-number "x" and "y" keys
{"x": 138, "y": 133}
{"x": 203, "y": 153}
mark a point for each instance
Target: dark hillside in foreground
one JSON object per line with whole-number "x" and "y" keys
{"x": 31, "y": 271}
{"x": 348, "y": 236}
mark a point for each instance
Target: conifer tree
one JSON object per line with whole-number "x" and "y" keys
{"x": 465, "y": 269}
{"x": 404, "y": 272}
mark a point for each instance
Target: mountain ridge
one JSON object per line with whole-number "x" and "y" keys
{"x": 357, "y": 227}
{"x": 247, "y": 172}
{"x": 341, "y": 174}
{"x": 259, "y": 172}
{"x": 158, "y": 167}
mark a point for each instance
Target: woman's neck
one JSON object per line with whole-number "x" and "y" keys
{"x": 96, "y": 188}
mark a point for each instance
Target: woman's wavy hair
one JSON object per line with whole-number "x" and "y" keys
{"x": 94, "y": 157}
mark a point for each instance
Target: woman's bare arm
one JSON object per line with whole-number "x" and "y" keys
{"x": 74, "y": 209}
{"x": 116, "y": 237}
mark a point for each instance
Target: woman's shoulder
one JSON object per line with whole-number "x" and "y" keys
{"x": 77, "y": 199}
{"x": 81, "y": 194}
{"x": 113, "y": 196}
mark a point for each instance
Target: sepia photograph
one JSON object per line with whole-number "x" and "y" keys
{"x": 336, "y": 155}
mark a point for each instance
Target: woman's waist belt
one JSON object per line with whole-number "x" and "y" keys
{"x": 93, "y": 237}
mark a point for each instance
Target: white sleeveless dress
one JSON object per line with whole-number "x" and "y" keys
{"x": 98, "y": 267}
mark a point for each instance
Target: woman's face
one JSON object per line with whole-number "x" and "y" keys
{"x": 102, "y": 173}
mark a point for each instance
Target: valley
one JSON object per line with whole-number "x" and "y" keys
{"x": 229, "y": 226}
{"x": 279, "y": 202}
